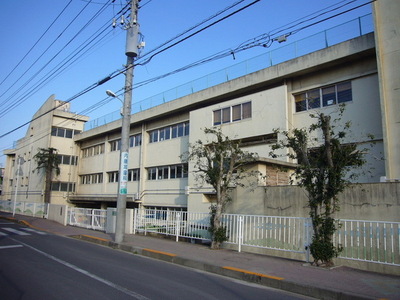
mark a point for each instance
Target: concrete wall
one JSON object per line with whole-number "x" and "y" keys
{"x": 58, "y": 213}
{"x": 369, "y": 201}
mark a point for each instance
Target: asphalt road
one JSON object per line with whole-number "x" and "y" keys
{"x": 39, "y": 265}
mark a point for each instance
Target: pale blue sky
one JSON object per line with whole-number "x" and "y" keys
{"x": 23, "y": 22}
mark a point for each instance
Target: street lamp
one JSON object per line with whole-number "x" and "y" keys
{"x": 112, "y": 94}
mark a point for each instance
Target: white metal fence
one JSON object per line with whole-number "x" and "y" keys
{"x": 370, "y": 241}
{"x": 88, "y": 218}
{"x": 25, "y": 208}
{"x": 282, "y": 233}
{"x": 177, "y": 223}
{"x": 279, "y": 233}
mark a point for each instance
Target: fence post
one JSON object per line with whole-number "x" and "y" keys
{"x": 240, "y": 233}
{"x": 177, "y": 226}
{"x": 134, "y": 220}
{"x": 307, "y": 238}
{"x": 69, "y": 218}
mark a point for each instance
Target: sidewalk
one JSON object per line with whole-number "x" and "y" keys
{"x": 294, "y": 276}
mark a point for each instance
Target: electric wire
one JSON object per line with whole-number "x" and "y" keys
{"x": 193, "y": 27}
{"x": 34, "y": 45}
{"x": 118, "y": 72}
{"x": 38, "y": 84}
{"x": 197, "y": 32}
{"x": 41, "y": 83}
{"x": 15, "y": 104}
{"x": 44, "y": 52}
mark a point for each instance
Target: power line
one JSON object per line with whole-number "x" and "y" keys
{"x": 40, "y": 83}
{"x": 34, "y": 45}
{"x": 197, "y": 32}
{"x": 258, "y": 41}
{"x": 8, "y": 99}
{"x": 193, "y": 27}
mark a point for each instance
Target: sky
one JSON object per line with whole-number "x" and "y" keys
{"x": 45, "y": 47}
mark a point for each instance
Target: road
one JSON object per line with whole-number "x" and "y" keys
{"x": 40, "y": 265}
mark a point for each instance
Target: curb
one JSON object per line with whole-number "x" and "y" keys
{"x": 236, "y": 273}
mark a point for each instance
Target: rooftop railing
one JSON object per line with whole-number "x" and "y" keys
{"x": 318, "y": 41}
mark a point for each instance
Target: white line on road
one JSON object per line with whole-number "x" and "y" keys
{"x": 105, "y": 281}
{"x": 15, "y": 231}
{"x": 11, "y": 246}
{"x": 3, "y": 234}
{"x": 35, "y": 231}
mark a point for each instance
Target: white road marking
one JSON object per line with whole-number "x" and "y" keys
{"x": 93, "y": 276}
{"x": 11, "y": 246}
{"x": 3, "y": 234}
{"x": 35, "y": 231}
{"x": 15, "y": 231}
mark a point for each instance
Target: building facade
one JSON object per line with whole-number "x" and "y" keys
{"x": 52, "y": 126}
{"x": 248, "y": 108}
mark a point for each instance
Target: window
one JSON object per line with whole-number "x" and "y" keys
{"x": 58, "y": 186}
{"x": 246, "y": 110}
{"x": 323, "y": 97}
{"x": 113, "y": 176}
{"x": 64, "y": 132}
{"x": 61, "y": 132}
{"x": 93, "y": 150}
{"x": 154, "y": 136}
{"x": 68, "y": 133}
{"x": 133, "y": 175}
{"x": 174, "y": 132}
{"x": 92, "y": 178}
{"x": 115, "y": 145}
{"x": 168, "y": 172}
{"x": 232, "y": 113}
{"x": 181, "y": 130}
{"x": 135, "y": 140}
{"x": 152, "y": 173}
{"x": 68, "y": 159}
{"x": 314, "y": 100}
{"x": 236, "y": 113}
{"x": 226, "y": 115}
{"x": 344, "y": 92}
{"x": 169, "y": 132}
{"x": 217, "y": 117}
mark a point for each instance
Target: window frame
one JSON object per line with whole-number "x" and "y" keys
{"x": 169, "y": 132}
{"x": 177, "y": 171}
{"x": 302, "y": 100}
{"x": 233, "y": 113}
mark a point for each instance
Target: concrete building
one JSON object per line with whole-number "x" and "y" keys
{"x": 52, "y": 126}
{"x": 361, "y": 72}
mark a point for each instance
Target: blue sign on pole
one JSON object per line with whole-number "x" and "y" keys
{"x": 124, "y": 178}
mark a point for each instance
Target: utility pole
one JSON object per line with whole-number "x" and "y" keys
{"x": 131, "y": 52}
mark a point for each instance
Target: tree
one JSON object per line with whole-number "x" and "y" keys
{"x": 47, "y": 159}
{"x": 325, "y": 168}
{"x": 222, "y": 164}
